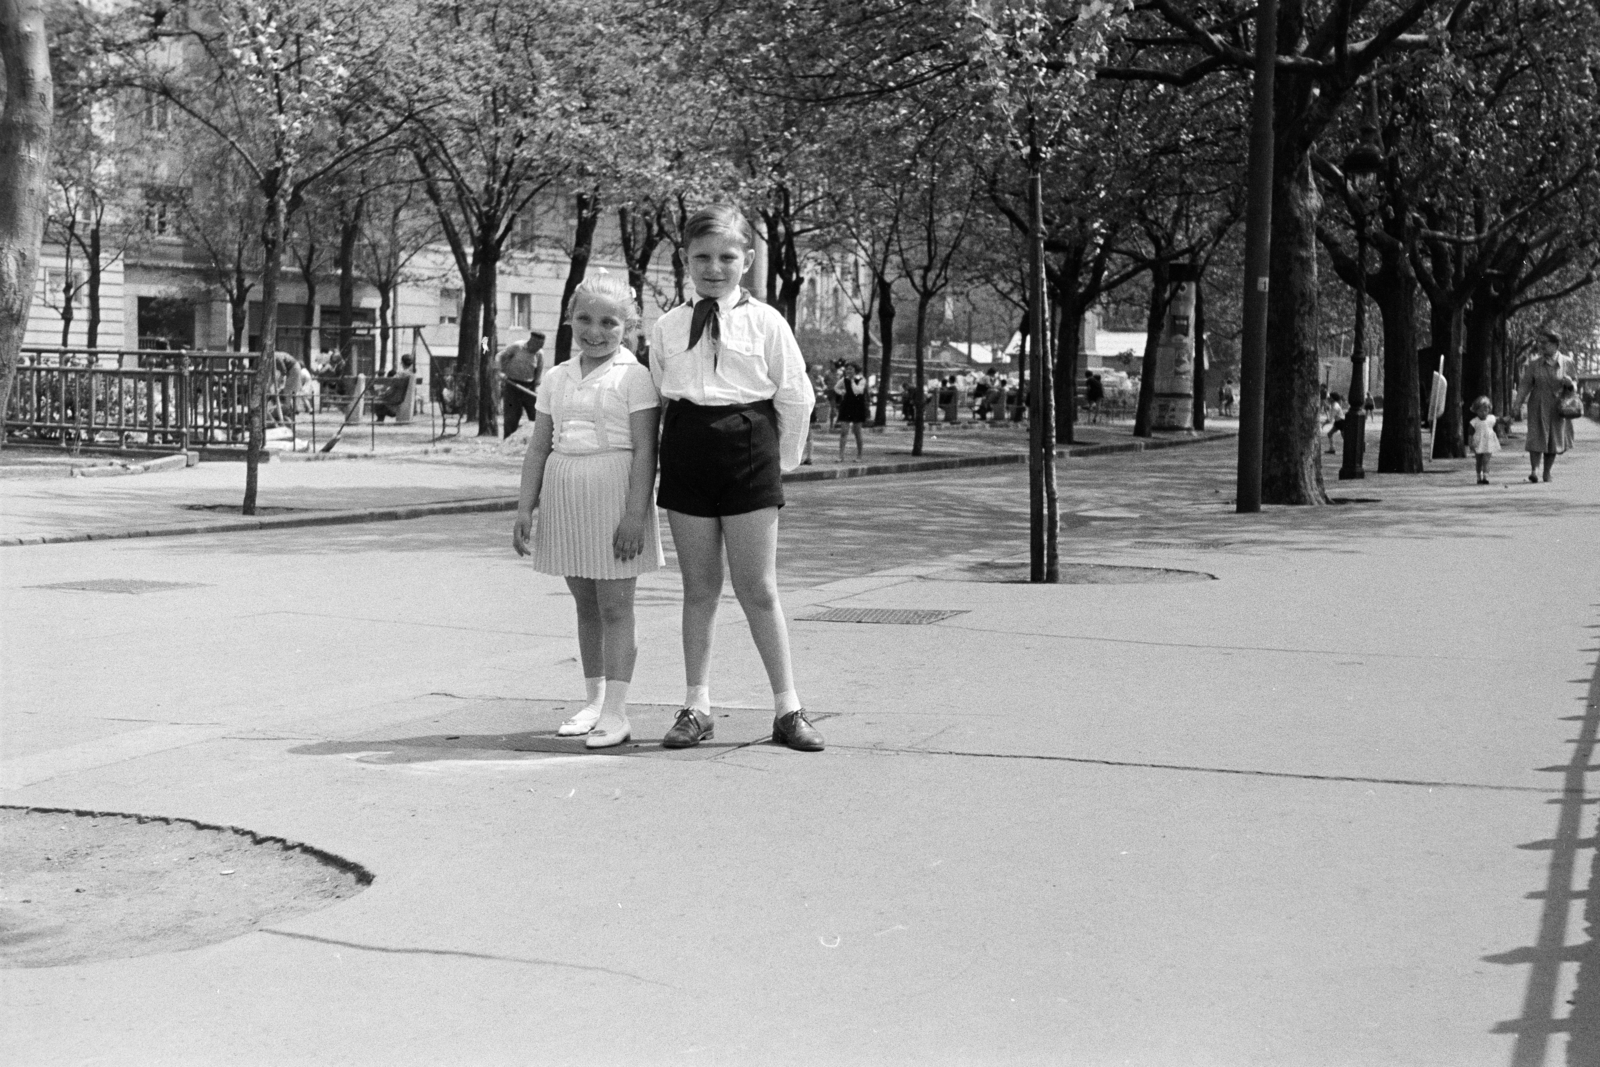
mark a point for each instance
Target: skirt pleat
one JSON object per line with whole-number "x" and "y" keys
{"x": 580, "y": 505}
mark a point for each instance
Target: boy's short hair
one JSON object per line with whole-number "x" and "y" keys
{"x": 537, "y": 338}
{"x": 1550, "y": 335}
{"x": 724, "y": 219}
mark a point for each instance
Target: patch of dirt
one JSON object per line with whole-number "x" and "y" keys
{"x": 79, "y": 887}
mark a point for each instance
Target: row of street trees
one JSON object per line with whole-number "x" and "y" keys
{"x": 1435, "y": 156}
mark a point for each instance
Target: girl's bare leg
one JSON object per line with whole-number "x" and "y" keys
{"x": 590, "y": 628}
{"x": 615, "y": 600}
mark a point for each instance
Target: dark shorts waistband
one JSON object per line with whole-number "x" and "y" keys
{"x": 713, "y": 410}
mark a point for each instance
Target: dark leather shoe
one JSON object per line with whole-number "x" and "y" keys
{"x": 794, "y": 730}
{"x": 691, "y": 728}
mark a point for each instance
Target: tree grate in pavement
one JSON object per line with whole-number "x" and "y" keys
{"x": 895, "y": 616}
{"x": 134, "y": 586}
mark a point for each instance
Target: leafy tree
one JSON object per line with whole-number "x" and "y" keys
{"x": 1323, "y": 53}
{"x": 267, "y": 79}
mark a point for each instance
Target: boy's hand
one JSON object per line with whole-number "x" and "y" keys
{"x": 522, "y": 533}
{"x": 629, "y": 539}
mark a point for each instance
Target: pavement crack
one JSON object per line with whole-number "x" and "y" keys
{"x": 467, "y": 955}
{"x": 1197, "y": 769}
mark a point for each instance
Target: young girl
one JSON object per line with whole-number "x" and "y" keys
{"x": 738, "y": 406}
{"x": 590, "y": 468}
{"x": 1485, "y": 441}
{"x": 852, "y": 391}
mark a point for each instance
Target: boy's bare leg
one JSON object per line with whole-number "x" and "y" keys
{"x": 698, "y": 541}
{"x": 752, "y": 543}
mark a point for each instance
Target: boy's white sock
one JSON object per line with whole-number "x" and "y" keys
{"x": 785, "y": 702}
{"x": 616, "y": 700}
{"x": 596, "y": 688}
{"x": 698, "y": 697}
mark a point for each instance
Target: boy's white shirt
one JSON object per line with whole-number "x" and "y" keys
{"x": 759, "y": 359}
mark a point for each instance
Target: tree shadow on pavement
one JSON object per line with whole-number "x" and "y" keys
{"x": 1538, "y": 1023}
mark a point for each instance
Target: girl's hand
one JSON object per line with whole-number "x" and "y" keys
{"x": 522, "y": 533}
{"x": 628, "y": 541}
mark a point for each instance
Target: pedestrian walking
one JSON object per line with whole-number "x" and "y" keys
{"x": 519, "y": 369}
{"x": 1485, "y": 436}
{"x": 1336, "y": 418}
{"x": 589, "y": 471}
{"x": 1094, "y": 392}
{"x": 738, "y": 406}
{"x": 852, "y": 392}
{"x": 1544, "y": 380}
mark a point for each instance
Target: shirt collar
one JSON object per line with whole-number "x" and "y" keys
{"x": 738, "y": 295}
{"x": 620, "y": 358}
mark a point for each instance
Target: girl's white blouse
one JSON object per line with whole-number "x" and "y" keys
{"x": 591, "y": 412}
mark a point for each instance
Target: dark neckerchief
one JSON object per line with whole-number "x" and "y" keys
{"x": 705, "y": 315}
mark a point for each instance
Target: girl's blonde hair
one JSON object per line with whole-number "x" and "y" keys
{"x": 723, "y": 219}
{"x": 603, "y": 285}
{"x": 1483, "y": 402}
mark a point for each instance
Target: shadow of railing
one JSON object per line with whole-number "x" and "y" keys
{"x": 1538, "y": 1024}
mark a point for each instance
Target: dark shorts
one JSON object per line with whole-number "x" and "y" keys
{"x": 721, "y": 460}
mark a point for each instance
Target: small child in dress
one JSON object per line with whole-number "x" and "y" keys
{"x": 1485, "y": 436}
{"x": 590, "y": 471}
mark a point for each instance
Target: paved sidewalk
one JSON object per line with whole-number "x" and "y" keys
{"x": 1308, "y": 787}
{"x": 409, "y": 477}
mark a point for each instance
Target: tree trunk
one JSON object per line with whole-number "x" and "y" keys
{"x": 488, "y": 273}
{"x": 1445, "y": 329}
{"x": 96, "y": 270}
{"x": 886, "y": 342}
{"x": 272, "y": 230}
{"x": 582, "y": 248}
{"x": 1069, "y": 337}
{"x": 640, "y": 236}
{"x": 239, "y": 309}
{"x": 1199, "y": 352}
{"x": 349, "y": 233}
{"x": 66, "y": 305}
{"x": 467, "y": 363}
{"x": 385, "y": 297}
{"x": 1024, "y": 351}
{"x": 1477, "y": 360}
{"x": 1160, "y": 297}
{"x": 308, "y": 277}
{"x": 1291, "y": 461}
{"x": 919, "y": 386}
{"x": 1395, "y": 293}
{"x": 24, "y": 170}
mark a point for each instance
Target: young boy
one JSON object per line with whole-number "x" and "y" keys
{"x": 738, "y": 406}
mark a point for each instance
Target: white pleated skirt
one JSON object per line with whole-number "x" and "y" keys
{"x": 580, "y": 505}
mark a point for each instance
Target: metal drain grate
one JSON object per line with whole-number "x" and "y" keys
{"x": 896, "y": 616}
{"x": 121, "y": 585}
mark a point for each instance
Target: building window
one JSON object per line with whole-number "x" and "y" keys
{"x": 449, "y": 305}
{"x": 157, "y": 111}
{"x": 55, "y": 288}
{"x": 160, "y": 209}
{"x": 522, "y": 310}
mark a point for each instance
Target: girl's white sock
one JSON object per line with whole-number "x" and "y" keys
{"x": 616, "y": 700}
{"x": 785, "y": 702}
{"x": 698, "y": 697}
{"x": 596, "y": 689}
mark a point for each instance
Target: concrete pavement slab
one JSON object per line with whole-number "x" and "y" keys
{"x": 1326, "y": 806}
